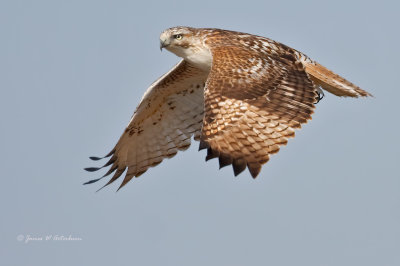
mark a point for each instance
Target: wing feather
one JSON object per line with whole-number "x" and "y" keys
{"x": 253, "y": 103}
{"x": 169, "y": 114}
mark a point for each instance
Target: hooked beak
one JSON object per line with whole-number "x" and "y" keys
{"x": 163, "y": 43}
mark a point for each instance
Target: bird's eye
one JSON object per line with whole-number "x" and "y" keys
{"x": 178, "y": 36}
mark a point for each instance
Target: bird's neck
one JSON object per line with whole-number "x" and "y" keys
{"x": 199, "y": 57}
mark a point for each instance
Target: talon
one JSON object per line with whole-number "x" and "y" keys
{"x": 321, "y": 95}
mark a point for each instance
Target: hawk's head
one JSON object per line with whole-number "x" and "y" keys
{"x": 187, "y": 43}
{"x": 177, "y": 38}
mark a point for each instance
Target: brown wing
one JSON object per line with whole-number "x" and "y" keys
{"x": 253, "y": 103}
{"x": 170, "y": 113}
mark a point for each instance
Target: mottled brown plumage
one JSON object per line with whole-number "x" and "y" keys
{"x": 241, "y": 95}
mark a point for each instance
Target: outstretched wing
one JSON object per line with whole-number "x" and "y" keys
{"x": 253, "y": 102}
{"x": 170, "y": 112}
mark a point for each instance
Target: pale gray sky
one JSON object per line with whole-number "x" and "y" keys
{"x": 72, "y": 73}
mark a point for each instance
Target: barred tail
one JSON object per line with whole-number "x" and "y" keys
{"x": 332, "y": 82}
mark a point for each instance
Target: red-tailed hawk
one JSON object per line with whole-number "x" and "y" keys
{"x": 241, "y": 95}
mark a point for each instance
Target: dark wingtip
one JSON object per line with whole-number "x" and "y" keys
{"x": 102, "y": 188}
{"x": 224, "y": 160}
{"x": 92, "y": 181}
{"x": 203, "y": 145}
{"x": 94, "y": 158}
{"x": 121, "y": 186}
{"x": 254, "y": 169}
{"x": 239, "y": 165}
{"x": 92, "y": 169}
{"x": 211, "y": 154}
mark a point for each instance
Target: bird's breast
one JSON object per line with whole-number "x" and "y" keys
{"x": 201, "y": 58}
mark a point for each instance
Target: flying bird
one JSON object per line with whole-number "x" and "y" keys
{"x": 242, "y": 96}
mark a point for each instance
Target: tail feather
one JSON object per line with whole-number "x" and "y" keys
{"x": 332, "y": 82}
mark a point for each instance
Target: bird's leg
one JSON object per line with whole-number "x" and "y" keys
{"x": 321, "y": 94}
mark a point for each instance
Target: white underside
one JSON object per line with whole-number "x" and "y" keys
{"x": 201, "y": 58}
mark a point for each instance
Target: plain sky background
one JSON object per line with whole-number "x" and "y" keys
{"x": 71, "y": 75}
